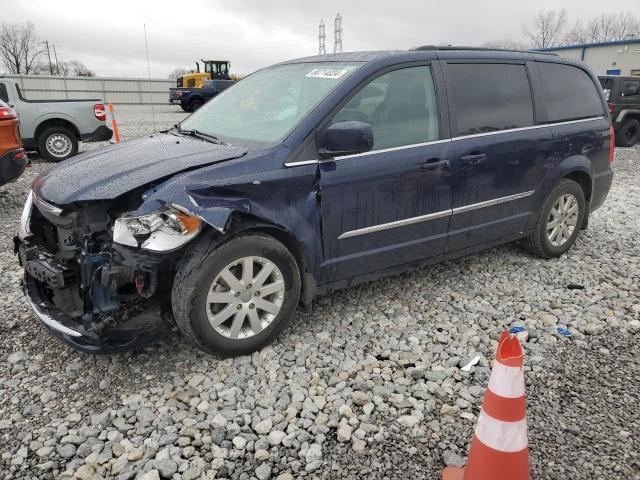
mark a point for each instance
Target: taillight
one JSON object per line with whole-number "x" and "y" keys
{"x": 20, "y": 155}
{"x": 99, "y": 112}
{"x": 7, "y": 113}
{"x": 612, "y": 141}
{"x": 178, "y": 93}
{"x": 612, "y": 108}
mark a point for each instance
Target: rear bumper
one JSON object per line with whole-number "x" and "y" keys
{"x": 601, "y": 186}
{"x": 100, "y": 134}
{"x": 11, "y": 167}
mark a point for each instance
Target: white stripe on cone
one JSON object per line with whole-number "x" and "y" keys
{"x": 502, "y": 436}
{"x": 506, "y": 381}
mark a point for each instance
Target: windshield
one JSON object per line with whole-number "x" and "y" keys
{"x": 265, "y": 106}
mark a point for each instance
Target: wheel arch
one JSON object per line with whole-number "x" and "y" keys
{"x": 240, "y": 222}
{"x": 583, "y": 179}
{"x": 56, "y": 122}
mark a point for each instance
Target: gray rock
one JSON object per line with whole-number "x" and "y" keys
{"x": 263, "y": 427}
{"x": 17, "y": 357}
{"x": 166, "y": 467}
{"x": 263, "y": 472}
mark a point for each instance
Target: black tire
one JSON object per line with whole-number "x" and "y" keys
{"x": 628, "y": 134}
{"x": 46, "y": 150}
{"x": 197, "y": 271}
{"x": 538, "y": 243}
{"x": 195, "y": 104}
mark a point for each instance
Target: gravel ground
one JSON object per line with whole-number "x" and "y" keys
{"x": 367, "y": 386}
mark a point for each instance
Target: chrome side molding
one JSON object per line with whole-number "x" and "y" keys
{"x": 435, "y": 215}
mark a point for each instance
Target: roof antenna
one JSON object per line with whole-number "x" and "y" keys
{"x": 146, "y": 44}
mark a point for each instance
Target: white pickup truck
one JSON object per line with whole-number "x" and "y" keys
{"x": 54, "y": 127}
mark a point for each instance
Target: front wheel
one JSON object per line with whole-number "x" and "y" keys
{"x": 559, "y": 221}
{"x": 57, "y": 143}
{"x": 237, "y": 297}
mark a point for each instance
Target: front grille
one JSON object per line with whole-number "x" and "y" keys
{"x": 45, "y": 233}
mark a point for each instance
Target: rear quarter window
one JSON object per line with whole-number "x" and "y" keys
{"x": 4, "y": 96}
{"x": 568, "y": 92}
{"x": 490, "y": 97}
{"x": 630, "y": 89}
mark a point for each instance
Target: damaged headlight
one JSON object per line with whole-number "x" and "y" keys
{"x": 157, "y": 231}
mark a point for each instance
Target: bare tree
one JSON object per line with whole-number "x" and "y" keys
{"x": 548, "y": 28}
{"x": 610, "y": 27}
{"x": 75, "y": 68}
{"x": 177, "y": 72}
{"x": 20, "y": 49}
{"x": 605, "y": 28}
{"x": 506, "y": 44}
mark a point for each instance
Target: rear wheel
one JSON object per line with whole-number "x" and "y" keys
{"x": 239, "y": 296}
{"x": 628, "y": 134}
{"x": 195, "y": 104}
{"x": 559, "y": 221}
{"x": 57, "y": 143}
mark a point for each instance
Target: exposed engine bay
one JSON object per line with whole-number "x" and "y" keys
{"x": 99, "y": 271}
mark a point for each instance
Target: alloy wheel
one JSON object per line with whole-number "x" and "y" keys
{"x": 563, "y": 219}
{"x": 245, "y": 297}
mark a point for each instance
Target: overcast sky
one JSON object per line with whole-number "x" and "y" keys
{"x": 108, "y": 36}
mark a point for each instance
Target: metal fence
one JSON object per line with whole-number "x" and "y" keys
{"x": 135, "y": 91}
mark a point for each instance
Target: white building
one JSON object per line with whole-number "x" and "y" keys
{"x": 620, "y": 57}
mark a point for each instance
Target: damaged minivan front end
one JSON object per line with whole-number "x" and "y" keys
{"x": 98, "y": 276}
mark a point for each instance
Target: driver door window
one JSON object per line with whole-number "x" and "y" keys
{"x": 400, "y": 106}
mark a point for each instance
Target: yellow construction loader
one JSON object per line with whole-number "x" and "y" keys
{"x": 213, "y": 70}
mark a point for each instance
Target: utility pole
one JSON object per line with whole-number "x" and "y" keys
{"x": 55, "y": 54}
{"x": 322, "y": 50}
{"x": 49, "y": 56}
{"x": 337, "y": 34}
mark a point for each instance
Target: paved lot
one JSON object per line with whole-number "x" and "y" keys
{"x": 366, "y": 386}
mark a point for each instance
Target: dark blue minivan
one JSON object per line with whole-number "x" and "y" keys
{"x": 310, "y": 176}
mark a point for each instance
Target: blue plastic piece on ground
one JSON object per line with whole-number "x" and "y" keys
{"x": 516, "y": 329}
{"x": 563, "y": 331}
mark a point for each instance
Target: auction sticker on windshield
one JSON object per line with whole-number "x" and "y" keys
{"x": 325, "y": 73}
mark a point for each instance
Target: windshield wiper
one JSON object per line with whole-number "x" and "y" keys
{"x": 196, "y": 133}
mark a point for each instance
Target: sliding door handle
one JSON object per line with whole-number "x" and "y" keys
{"x": 474, "y": 158}
{"x": 434, "y": 163}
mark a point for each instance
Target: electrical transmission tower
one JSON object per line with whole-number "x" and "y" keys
{"x": 322, "y": 49}
{"x": 337, "y": 34}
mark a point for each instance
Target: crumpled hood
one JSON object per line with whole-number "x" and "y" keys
{"x": 109, "y": 172}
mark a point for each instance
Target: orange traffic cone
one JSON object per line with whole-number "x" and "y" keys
{"x": 499, "y": 447}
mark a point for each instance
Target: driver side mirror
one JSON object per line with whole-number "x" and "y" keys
{"x": 347, "y": 138}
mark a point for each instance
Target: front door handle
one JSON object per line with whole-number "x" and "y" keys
{"x": 474, "y": 158}
{"x": 434, "y": 163}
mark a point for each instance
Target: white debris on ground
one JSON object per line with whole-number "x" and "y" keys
{"x": 369, "y": 385}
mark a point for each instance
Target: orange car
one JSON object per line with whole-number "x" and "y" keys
{"x": 13, "y": 160}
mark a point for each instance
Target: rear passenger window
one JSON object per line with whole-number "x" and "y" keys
{"x": 569, "y": 93}
{"x": 3, "y": 93}
{"x": 630, "y": 89}
{"x": 400, "y": 106}
{"x": 490, "y": 97}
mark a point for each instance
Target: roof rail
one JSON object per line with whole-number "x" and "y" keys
{"x": 481, "y": 49}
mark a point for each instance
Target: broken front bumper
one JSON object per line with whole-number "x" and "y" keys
{"x": 89, "y": 337}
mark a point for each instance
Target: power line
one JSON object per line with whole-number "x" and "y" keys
{"x": 337, "y": 34}
{"x": 322, "y": 50}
